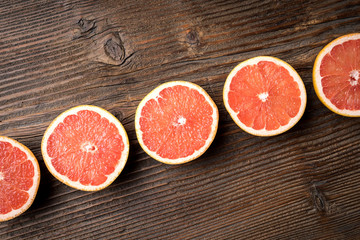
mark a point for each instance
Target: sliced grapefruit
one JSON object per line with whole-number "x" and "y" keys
{"x": 176, "y": 122}
{"x": 265, "y": 96}
{"x": 336, "y": 75}
{"x": 85, "y": 147}
{"x": 19, "y": 178}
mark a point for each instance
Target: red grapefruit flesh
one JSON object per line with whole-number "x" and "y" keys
{"x": 265, "y": 96}
{"x": 85, "y": 147}
{"x": 336, "y": 75}
{"x": 176, "y": 122}
{"x": 19, "y": 178}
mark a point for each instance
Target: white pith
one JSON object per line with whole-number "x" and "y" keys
{"x": 181, "y": 120}
{"x": 263, "y": 97}
{"x": 354, "y": 77}
{"x": 317, "y": 77}
{"x": 36, "y": 179}
{"x": 86, "y": 146}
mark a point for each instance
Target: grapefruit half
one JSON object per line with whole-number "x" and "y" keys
{"x": 265, "y": 96}
{"x": 19, "y": 178}
{"x": 176, "y": 122}
{"x": 336, "y": 75}
{"x": 85, "y": 147}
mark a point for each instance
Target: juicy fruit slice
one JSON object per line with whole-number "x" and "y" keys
{"x": 176, "y": 122}
{"x": 265, "y": 96}
{"x": 85, "y": 147}
{"x": 19, "y": 178}
{"x": 336, "y": 75}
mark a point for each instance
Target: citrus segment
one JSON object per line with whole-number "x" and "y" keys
{"x": 265, "y": 96}
{"x": 19, "y": 178}
{"x": 85, "y": 147}
{"x": 336, "y": 75}
{"x": 176, "y": 122}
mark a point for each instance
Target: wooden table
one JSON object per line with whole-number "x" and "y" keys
{"x": 303, "y": 184}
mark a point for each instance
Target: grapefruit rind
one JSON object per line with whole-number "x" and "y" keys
{"x": 292, "y": 72}
{"x": 317, "y": 77}
{"x": 153, "y": 95}
{"x": 36, "y": 179}
{"x": 64, "y": 179}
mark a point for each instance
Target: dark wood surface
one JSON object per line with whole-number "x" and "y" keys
{"x": 303, "y": 184}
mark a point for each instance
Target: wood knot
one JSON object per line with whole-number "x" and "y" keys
{"x": 115, "y": 49}
{"x": 104, "y": 44}
{"x": 321, "y": 204}
{"x": 108, "y": 49}
{"x": 86, "y": 25}
{"x": 84, "y": 28}
{"x": 319, "y": 201}
{"x": 192, "y": 38}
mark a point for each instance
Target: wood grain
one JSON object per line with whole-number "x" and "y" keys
{"x": 303, "y": 184}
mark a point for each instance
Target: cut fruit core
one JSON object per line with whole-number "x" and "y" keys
{"x": 263, "y": 96}
{"x": 181, "y": 121}
{"x": 354, "y": 77}
{"x": 88, "y": 147}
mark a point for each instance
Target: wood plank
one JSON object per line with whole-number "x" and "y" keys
{"x": 302, "y": 184}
